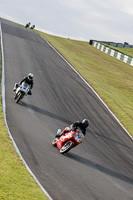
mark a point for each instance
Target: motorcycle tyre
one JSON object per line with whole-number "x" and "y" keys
{"x": 66, "y": 147}
{"x": 19, "y": 96}
{"x": 54, "y": 143}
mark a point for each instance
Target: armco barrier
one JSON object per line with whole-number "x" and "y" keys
{"x": 114, "y": 53}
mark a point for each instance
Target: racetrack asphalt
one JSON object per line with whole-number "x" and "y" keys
{"x": 101, "y": 168}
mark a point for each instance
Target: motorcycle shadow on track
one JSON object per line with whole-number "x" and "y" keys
{"x": 100, "y": 168}
{"x": 45, "y": 112}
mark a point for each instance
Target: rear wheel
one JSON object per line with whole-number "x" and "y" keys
{"x": 66, "y": 147}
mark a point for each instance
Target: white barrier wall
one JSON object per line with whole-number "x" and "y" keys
{"x": 113, "y": 53}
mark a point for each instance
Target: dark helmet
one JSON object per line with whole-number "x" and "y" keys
{"x": 30, "y": 76}
{"x": 85, "y": 123}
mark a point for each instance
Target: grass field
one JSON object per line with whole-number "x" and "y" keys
{"x": 16, "y": 183}
{"x": 111, "y": 78}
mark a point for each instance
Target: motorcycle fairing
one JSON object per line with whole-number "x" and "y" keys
{"x": 79, "y": 137}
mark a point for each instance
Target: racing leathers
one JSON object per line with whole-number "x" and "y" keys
{"x": 73, "y": 127}
{"x": 30, "y": 82}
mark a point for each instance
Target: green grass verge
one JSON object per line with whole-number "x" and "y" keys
{"x": 16, "y": 183}
{"x": 111, "y": 78}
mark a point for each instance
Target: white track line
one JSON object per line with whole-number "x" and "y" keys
{"x": 4, "y": 111}
{"x": 90, "y": 88}
{"x": 4, "y": 106}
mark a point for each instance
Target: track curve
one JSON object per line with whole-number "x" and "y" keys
{"x": 102, "y": 167}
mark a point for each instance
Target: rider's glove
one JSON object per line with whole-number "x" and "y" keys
{"x": 72, "y": 129}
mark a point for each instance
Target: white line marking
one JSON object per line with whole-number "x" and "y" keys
{"x": 89, "y": 87}
{"x": 4, "y": 111}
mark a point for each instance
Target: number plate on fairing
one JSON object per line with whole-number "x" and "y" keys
{"x": 79, "y": 137}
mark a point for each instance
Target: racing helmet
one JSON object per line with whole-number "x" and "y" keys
{"x": 30, "y": 76}
{"x": 85, "y": 122}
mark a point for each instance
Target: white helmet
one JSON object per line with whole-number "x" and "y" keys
{"x": 30, "y": 76}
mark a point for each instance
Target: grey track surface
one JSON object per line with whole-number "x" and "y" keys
{"x": 99, "y": 169}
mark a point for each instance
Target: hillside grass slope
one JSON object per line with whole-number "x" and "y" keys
{"x": 16, "y": 183}
{"x": 111, "y": 79}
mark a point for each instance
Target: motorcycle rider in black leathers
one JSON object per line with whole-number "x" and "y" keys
{"x": 28, "y": 79}
{"x": 27, "y": 25}
{"x": 82, "y": 125}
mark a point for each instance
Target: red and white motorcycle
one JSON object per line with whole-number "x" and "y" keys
{"x": 68, "y": 141}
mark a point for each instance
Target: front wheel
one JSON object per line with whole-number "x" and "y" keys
{"x": 66, "y": 147}
{"x": 18, "y": 97}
